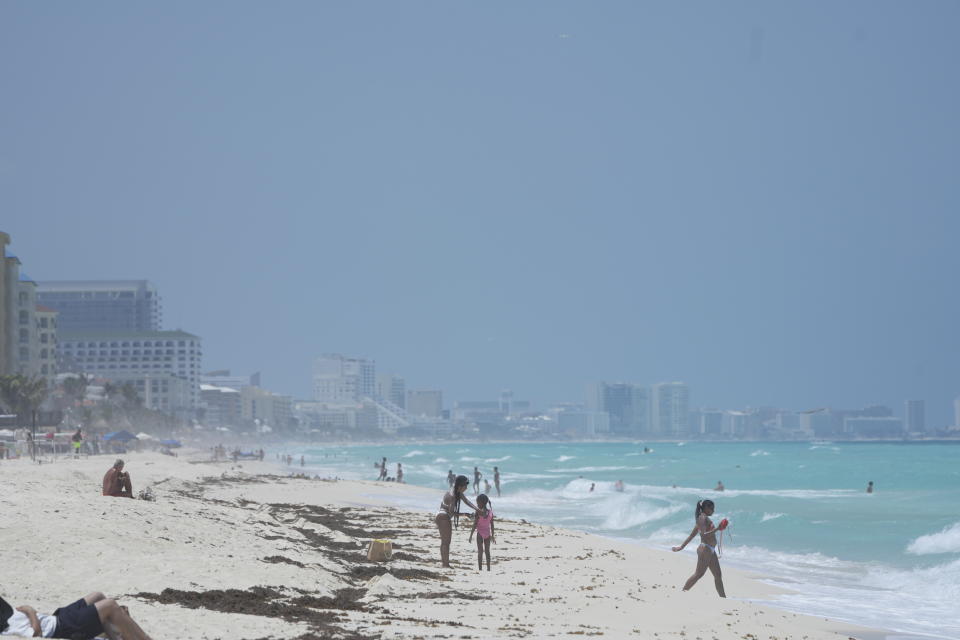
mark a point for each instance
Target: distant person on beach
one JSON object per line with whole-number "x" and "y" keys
{"x": 383, "y": 469}
{"x": 261, "y": 455}
{"x": 301, "y": 461}
{"x": 476, "y": 480}
{"x": 496, "y": 479}
{"x": 719, "y": 486}
{"x": 486, "y": 486}
{"x": 483, "y": 525}
{"x": 619, "y": 486}
{"x": 77, "y": 443}
{"x": 88, "y": 617}
{"x": 399, "y": 472}
{"x": 449, "y": 514}
{"x": 592, "y": 486}
{"x": 116, "y": 482}
{"x": 707, "y": 557}
{"x": 870, "y": 487}
{"x": 450, "y": 478}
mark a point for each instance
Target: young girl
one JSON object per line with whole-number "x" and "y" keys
{"x": 483, "y": 525}
{"x": 449, "y": 514}
{"x": 707, "y": 551}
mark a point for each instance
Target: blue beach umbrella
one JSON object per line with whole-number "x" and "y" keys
{"x": 119, "y": 436}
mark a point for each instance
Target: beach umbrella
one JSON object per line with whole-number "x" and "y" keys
{"x": 145, "y": 436}
{"x": 119, "y": 436}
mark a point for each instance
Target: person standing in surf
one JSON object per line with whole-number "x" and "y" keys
{"x": 707, "y": 557}
{"x": 476, "y": 480}
{"x": 449, "y": 514}
{"x": 496, "y": 480}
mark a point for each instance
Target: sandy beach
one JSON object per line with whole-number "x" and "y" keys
{"x": 242, "y": 551}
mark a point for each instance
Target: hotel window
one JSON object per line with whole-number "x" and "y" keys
{"x": 43, "y": 338}
{"x": 24, "y": 335}
{"x": 43, "y": 323}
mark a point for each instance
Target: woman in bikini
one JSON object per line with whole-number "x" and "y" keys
{"x": 707, "y": 551}
{"x": 449, "y": 514}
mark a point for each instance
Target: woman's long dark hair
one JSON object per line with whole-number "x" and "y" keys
{"x": 701, "y": 505}
{"x": 461, "y": 483}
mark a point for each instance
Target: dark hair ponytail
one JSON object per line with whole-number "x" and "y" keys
{"x": 701, "y": 505}
{"x": 461, "y": 481}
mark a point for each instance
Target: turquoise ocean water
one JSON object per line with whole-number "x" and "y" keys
{"x": 800, "y": 512}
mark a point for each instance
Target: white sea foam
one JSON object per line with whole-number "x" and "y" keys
{"x": 503, "y": 459}
{"x": 759, "y": 452}
{"x": 469, "y": 459}
{"x": 945, "y": 541}
{"x": 591, "y": 469}
{"x": 771, "y": 516}
{"x": 630, "y": 513}
{"x": 414, "y": 453}
{"x": 565, "y": 458}
{"x": 441, "y": 460}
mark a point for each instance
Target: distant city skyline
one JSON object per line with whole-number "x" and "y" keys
{"x": 477, "y": 203}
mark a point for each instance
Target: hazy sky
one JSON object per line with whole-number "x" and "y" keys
{"x": 760, "y": 199}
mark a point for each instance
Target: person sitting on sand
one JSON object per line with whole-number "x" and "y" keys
{"x": 707, "y": 551}
{"x": 483, "y": 525}
{"x": 116, "y": 482}
{"x": 86, "y": 618}
{"x": 449, "y": 515}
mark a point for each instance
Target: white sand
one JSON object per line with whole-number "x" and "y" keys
{"x": 61, "y": 539}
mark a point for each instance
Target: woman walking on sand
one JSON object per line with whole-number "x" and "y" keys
{"x": 707, "y": 551}
{"x": 449, "y": 513}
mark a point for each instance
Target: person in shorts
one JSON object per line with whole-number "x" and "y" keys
{"x": 81, "y": 620}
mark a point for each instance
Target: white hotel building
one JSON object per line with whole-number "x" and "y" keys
{"x": 164, "y": 366}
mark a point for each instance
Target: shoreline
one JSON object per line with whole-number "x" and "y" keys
{"x": 229, "y": 547}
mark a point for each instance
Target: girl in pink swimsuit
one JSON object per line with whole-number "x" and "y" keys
{"x": 483, "y": 525}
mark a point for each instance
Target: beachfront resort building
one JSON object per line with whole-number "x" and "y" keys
{"x": 339, "y": 379}
{"x": 163, "y": 365}
{"x": 583, "y": 423}
{"x": 915, "y": 418}
{"x": 266, "y": 409}
{"x": 425, "y": 402}
{"x": 27, "y": 331}
{"x": 100, "y": 305}
{"x": 392, "y": 388}
{"x": 628, "y": 406}
{"x": 221, "y": 406}
{"x": 223, "y": 378}
{"x": 669, "y": 410}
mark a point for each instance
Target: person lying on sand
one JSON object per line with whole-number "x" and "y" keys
{"x": 84, "y": 619}
{"x": 116, "y": 482}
